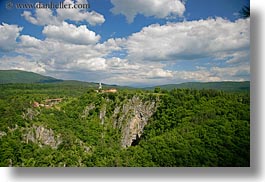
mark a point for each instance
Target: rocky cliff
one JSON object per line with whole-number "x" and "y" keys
{"x": 41, "y": 136}
{"x": 130, "y": 117}
{"x": 138, "y": 112}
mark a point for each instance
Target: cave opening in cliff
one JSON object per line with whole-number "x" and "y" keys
{"x": 136, "y": 140}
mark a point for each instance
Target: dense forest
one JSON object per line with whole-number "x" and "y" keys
{"x": 67, "y": 124}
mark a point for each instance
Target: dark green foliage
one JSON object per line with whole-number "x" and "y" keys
{"x": 199, "y": 128}
{"x": 189, "y": 127}
{"x": 157, "y": 90}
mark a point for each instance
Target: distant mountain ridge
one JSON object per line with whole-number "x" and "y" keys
{"x": 17, "y": 76}
{"x": 224, "y": 85}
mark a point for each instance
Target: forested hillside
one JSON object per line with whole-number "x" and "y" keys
{"x": 73, "y": 125}
{"x": 17, "y": 76}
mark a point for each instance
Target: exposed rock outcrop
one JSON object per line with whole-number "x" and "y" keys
{"x": 42, "y": 136}
{"x": 30, "y": 113}
{"x": 131, "y": 118}
{"x": 129, "y": 115}
{"x": 102, "y": 114}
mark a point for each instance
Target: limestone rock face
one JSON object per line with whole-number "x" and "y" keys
{"x": 102, "y": 114}
{"x": 29, "y": 114}
{"x": 131, "y": 118}
{"x": 130, "y": 115}
{"x": 42, "y": 136}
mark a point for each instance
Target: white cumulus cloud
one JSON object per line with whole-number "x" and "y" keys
{"x": 159, "y": 73}
{"x": 28, "y": 41}
{"x": 156, "y": 8}
{"x": 21, "y": 63}
{"x": 41, "y": 17}
{"x": 189, "y": 40}
{"x": 92, "y": 17}
{"x": 93, "y": 64}
{"x": 71, "y": 33}
{"x": 202, "y": 50}
{"x": 8, "y": 36}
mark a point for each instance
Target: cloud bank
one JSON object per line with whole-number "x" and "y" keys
{"x": 215, "y": 49}
{"x": 156, "y": 8}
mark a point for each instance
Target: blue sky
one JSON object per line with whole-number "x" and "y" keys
{"x": 136, "y": 43}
